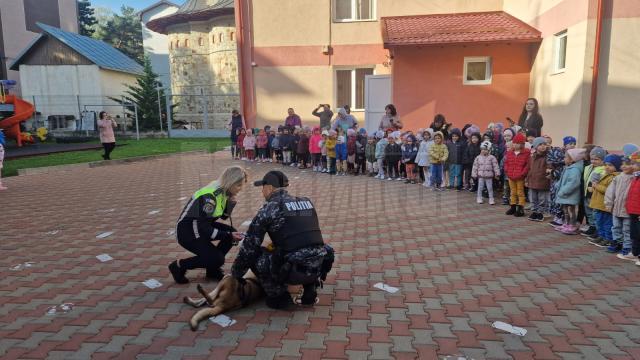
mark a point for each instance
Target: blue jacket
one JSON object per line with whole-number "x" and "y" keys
{"x": 2, "y": 141}
{"x": 380, "y": 146}
{"x": 569, "y": 185}
{"x": 286, "y": 141}
{"x": 409, "y": 154}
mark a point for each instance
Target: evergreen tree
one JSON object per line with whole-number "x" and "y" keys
{"x": 124, "y": 33}
{"x": 86, "y": 18}
{"x": 145, "y": 95}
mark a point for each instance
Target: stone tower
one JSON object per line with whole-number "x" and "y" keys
{"x": 203, "y": 60}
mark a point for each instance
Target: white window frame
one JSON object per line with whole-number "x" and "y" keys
{"x": 353, "y": 85}
{"x": 488, "y": 72}
{"x": 374, "y": 13}
{"x": 556, "y": 52}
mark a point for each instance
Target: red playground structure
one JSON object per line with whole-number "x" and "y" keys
{"x": 13, "y": 111}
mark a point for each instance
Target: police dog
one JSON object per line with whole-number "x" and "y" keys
{"x": 227, "y": 296}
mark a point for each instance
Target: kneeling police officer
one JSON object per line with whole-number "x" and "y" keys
{"x": 296, "y": 253}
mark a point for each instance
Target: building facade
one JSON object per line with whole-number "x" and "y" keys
{"x": 203, "y": 60}
{"x": 18, "y": 27}
{"x": 156, "y": 45}
{"x": 322, "y": 51}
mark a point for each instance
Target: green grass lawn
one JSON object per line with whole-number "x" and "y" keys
{"x": 144, "y": 147}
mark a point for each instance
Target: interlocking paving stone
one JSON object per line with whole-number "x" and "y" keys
{"x": 459, "y": 266}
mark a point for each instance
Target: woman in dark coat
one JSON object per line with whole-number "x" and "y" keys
{"x": 235, "y": 125}
{"x": 530, "y": 118}
{"x": 440, "y": 124}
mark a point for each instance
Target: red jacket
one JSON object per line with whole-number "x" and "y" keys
{"x": 240, "y": 141}
{"x": 633, "y": 197}
{"x": 516, "y": 166}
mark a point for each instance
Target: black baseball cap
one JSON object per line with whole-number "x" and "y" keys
{"x": 274, "y": 178}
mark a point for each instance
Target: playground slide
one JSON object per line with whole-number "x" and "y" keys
{"x": 22, "y": 112}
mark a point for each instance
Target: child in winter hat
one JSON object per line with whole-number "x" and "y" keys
{"x": 599, "y": 186}
{"x": 485, "y": 169}
{"x": 569, "y": 142}
{"x": 569, "y": 194}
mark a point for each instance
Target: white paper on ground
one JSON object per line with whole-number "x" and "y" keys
{"x": 385, "y": 287}
{"x": 509, "y": 328}
{"x": 154, "y": 212}
{"x": 152, "y": 195}
{"x": 182, "y": 198}
{"x": 107, "y": 211}
{"x": 59, "y": 309}
{"x": 246, "y": 223}
{"x": 104, "y": 235}
{"x": 223, "y": 320}
{"x": 104, "y": 257}
{"x": 456, "y": 357}
{"x": 171, "y": 232}
{"x": 53, "y": 232}
{"x": 297, "y": 177}
{"x": 180, "y": 183}
{"x": 152, "y": 283}
{"x": 19, "y": 267}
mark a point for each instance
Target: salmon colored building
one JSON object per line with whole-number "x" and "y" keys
{"x": 473, "y": 61}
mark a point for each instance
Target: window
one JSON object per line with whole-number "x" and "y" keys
{"x": 177, "y": 44}
{"x": 353, "y": 10}
{"x": 232, "y": 35}
{"x": 477, "y": 71}
{"x": 186, "y": 43}
{"x": 200, "y": 42}
{"x": 560, "y": 52}
{"x": 221, "y": 37}
{"x": 350, "y": 87}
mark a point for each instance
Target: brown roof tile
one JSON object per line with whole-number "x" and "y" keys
{"x": 496, "y": 26}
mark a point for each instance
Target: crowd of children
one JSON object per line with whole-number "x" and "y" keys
{"x": 581, "y": 190}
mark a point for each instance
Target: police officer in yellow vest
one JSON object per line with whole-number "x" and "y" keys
{"x": 199, "y": 231}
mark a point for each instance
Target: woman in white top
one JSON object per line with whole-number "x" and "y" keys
{"x": 390, "y": 120}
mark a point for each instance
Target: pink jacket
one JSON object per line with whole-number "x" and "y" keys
{"x": 314, "y": 144}
{"x": 485, "y": 167}
{"x": 249, "y": 142}
{"x": 106, "y": 131}
{"x": 261, "y": 141}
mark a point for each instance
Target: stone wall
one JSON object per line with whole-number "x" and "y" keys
{"x": 204, "y": 71}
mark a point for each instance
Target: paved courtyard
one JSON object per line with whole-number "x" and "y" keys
{"x": 459, "y": 267}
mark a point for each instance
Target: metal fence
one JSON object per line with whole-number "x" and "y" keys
{"x": 181, "y": 115}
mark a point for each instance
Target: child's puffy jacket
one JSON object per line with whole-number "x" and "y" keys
{"x": 380, "y": 148}
{"x": 393, "y": 152}
{"x": 351, "y": 145}
{"x": 633, "y": 197}
{"x": 516, "y": 166}
{"x": 361, "y": 144}
{"x": 330, "y": 144}
{"x": 471, "y": 152}
{"x": 438, "y": 154}
{"x": 569, "y": 185}
{"x": 409, "y": 154}
{"x": 275, "y": 142}
{"x": 456, "y": 152}
{"x": 261, "y": 141}
{"x": 303, "y": 144}
{"x": 314, "y": 144}
{"x": 616, "y": 196}
{"x": 599, "y": 189}
{"x": 249, "y": 142}
{"x": 422, "y": 158}
{"x": 485, "y": 167}
{"x": 370, "y": 152}
{"x": 240, "y": 141}
{"x": 285, "y": 141}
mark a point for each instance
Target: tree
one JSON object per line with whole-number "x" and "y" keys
{"x": 124, "y": 33}
{"x": 86, "y": 18}
{"x": 145, "y": 95}
{"x": 103, "y": 15}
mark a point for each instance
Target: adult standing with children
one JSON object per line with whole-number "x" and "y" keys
{"x": 198, "y": 227}
{"x": 292, "y": 120}
{"x": 325, "y": 115}
{"x": 106, "y": 124}
{"x": 530, "y": 118}
{"x": 344, "y": 121}
{"x": 390, "y": 119}
{"x": 235, "y": 124}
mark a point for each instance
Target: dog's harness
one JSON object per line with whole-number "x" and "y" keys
{"x": 242, "y": 292}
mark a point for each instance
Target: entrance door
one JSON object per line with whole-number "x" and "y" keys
{"x": 377, "y": 94}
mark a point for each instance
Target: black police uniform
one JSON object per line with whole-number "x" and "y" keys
{"x": 196, "y": 229}
{"x": 299, "y": 251}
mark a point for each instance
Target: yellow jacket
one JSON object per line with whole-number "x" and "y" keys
{"x": 438, "y": 153}
{"x": 599, "y": 189}
{"x": 331, "y": 148}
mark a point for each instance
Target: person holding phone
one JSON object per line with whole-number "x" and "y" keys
{"x": 325, "y": 115}
{"x": 106, "y": 124}
{"x": 199, "y": 231}
{"x": 390, "y": 119}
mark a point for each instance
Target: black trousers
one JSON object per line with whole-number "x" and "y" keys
{"x": 635, "y": 235}
{"x": 108, "y": 148}
{"x": 208, "y": 256}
